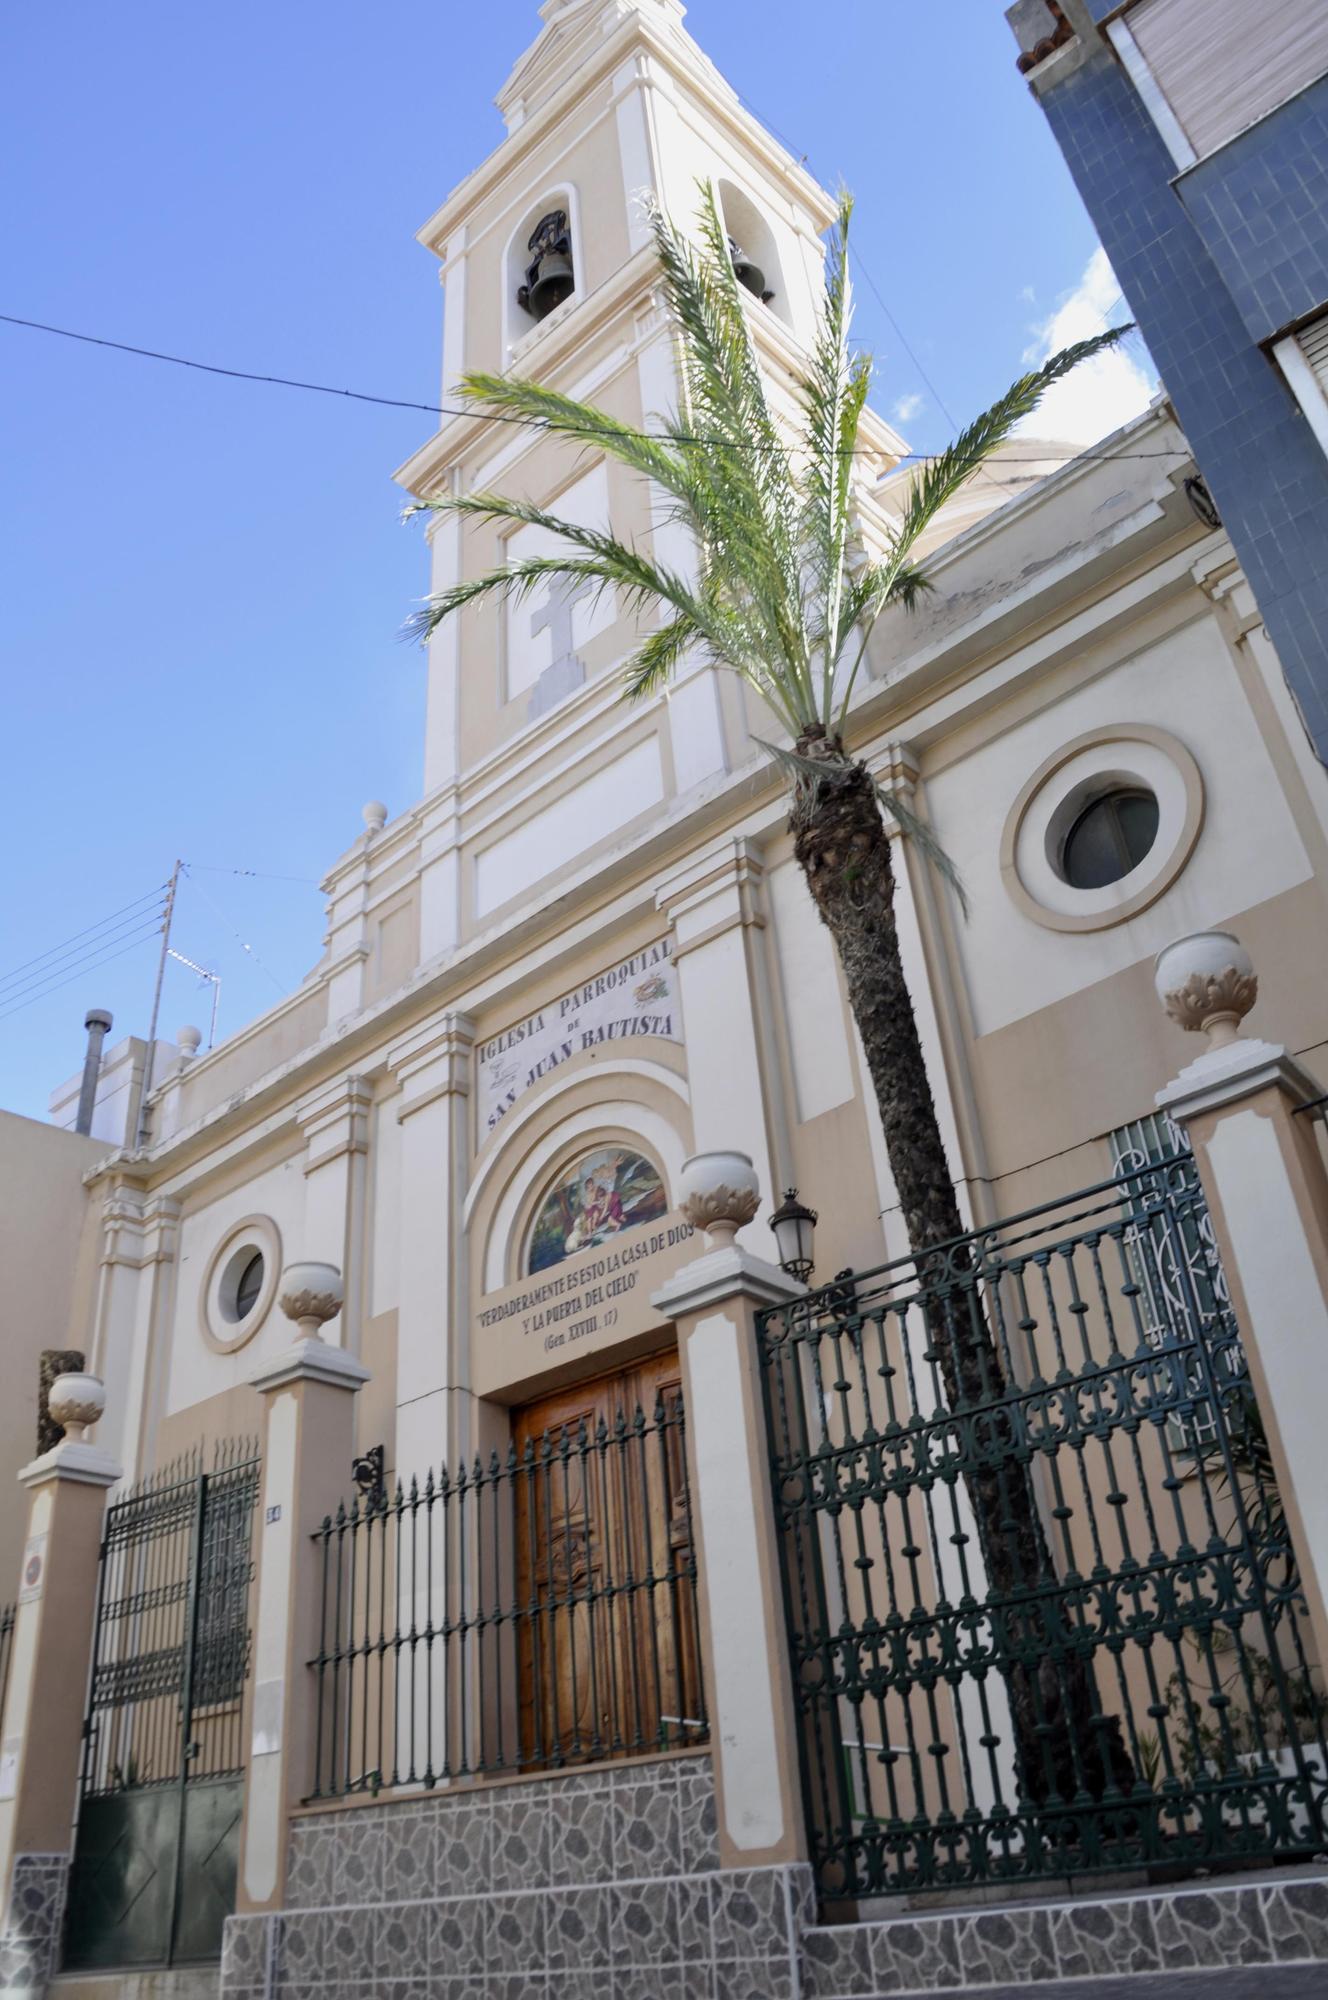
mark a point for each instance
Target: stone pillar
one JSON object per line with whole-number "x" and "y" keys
{"x": 433, "y": 1066}
{"x": 1259, "y": 1159}
{"x": 308, "y": 1444}
{"x": 716, "y": 907}
{"x": 41, "y": 1735}
{"x": 713, "y": 1302}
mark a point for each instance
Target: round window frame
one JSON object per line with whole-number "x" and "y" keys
{"x": 252, "y": 1235}
{"x": 1164, "y": 860}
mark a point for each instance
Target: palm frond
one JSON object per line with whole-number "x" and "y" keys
{"x": 652, "y": 664}
{"x": 942, "y": 476}
{"x": 921, "y": 834}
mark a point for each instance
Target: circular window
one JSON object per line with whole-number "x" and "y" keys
{"x": 241, "y": 1283}
{"x": 1102, "y": 828}
{"x": 1110, "y": 837}
{"x": 249, "y": 1286}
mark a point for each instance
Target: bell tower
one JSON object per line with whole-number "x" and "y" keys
{"x": 548, "y": 270}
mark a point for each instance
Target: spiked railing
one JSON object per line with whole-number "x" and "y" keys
{"x": 533, "y": 1610}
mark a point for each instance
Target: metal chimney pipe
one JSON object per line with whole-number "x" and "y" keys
{"x": 97, "y": 1023}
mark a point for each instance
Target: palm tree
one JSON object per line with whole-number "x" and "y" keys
{"x": 785, "y": 594}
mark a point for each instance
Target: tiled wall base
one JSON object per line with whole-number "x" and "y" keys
{"x": 603, "y": 1885}
{"x": 724, "y": 1935}
{"x": 618, "y": 1822}
{"x": 30, "y": 1934}
{"x": 1270, "y": 1920}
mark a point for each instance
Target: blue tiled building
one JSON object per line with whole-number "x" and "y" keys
{"x": 1197, "y": 133}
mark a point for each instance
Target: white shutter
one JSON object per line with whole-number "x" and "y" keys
{"x": 1313, "y": 343}
{"x": 1222, "y": 64}
{"x": 1303, "y": 359}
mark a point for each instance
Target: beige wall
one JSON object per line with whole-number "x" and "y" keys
{"x": 49, "y": 1228}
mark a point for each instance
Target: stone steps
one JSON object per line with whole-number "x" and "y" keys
{"x": 1308, "y": 1981}
{"x": 1139, "y": 1942}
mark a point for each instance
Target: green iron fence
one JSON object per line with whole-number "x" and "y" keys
{"x": 1127, "y": 1685}
{"x": 162, "y": 1785}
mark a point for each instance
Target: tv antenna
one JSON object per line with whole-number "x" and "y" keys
{"x": 213, "y": 979}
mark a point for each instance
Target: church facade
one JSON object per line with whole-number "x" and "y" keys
{"x": 586, "y": 956}
{"x": 587, "y": 951}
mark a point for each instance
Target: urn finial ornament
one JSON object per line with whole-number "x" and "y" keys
{"x": 75, "y": 1402}
{"x": 719, "y": 1192}
{"x": 1207, "y": 984}
{"x": 311, "y": 1294}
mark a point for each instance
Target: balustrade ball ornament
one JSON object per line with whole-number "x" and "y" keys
{"x": 718, "y": 1192}
{"x": 1207, "y": 984}
{"x": 311, "y": 1294}
{"x": 75, "y": 1402}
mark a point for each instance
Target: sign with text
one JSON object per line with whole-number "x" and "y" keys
{"x": 638, "y": 996}
{"x": 592, "y": 1301}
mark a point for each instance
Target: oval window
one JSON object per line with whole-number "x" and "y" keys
{"x": 1109, "y": 839}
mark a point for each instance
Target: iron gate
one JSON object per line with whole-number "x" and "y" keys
{"x": 162, "y": 1787}
{"x": 1140, "y": 1694}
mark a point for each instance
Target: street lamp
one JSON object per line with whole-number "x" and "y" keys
{"x": 794, "y": 1225}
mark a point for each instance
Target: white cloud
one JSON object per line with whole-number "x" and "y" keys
{"x": 908, "y": 406}
{"x": 1103, "y": 393}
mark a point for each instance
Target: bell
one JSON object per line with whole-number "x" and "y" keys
{"x": 749, "y": 274}
{"x": 556, "y": 281}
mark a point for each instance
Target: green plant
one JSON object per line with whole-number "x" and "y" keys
{"x": 785, "y": 593}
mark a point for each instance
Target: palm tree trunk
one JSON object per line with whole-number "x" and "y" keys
{"x": 1064, "y": 1745}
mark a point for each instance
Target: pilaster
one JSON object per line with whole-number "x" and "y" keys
{"x": 133, "y": 1403}
{"x": 119, "y": 1284}
{"x": 335, "y": 1124}
{"x": 928, "y": 961}
{"x": 433, "y": 1068}
{"x": 716, "y": 907}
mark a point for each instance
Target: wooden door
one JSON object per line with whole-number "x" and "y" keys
{"x": 606, "y": 1585}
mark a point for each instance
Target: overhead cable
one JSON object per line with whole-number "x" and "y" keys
{"x": 538, "y": 423}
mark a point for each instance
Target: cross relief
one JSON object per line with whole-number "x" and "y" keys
{"x": 555, "y": 617}
{"x": 565, "y": 671}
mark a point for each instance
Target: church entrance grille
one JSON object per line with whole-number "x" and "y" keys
{"x": 162, "y": 1777}
{"x": 533, "y": 1611}
{"x": 1158, "y": 1651}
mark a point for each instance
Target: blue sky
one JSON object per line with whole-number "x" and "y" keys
{"x": 203, "y": 581}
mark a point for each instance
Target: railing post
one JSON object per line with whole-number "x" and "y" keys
{"x": 42, "y": 1731}
{"x": 1242, "y": 1104}
{"x": 308, "y": 1444}
{"x": 713, "y": 1302}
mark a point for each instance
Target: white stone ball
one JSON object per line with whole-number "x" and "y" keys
{"x": 188, "y": 1041}
{"x": 374, "y": 815}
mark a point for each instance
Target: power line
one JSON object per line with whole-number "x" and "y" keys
{"x": 256, "y": 874}
{"x": 58, "y": 950}
{"x": 530, "y": 423}
{"x": 147, "y": 922}
{"x": 78, "y": 972}
{"x": 245, "y": 947}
